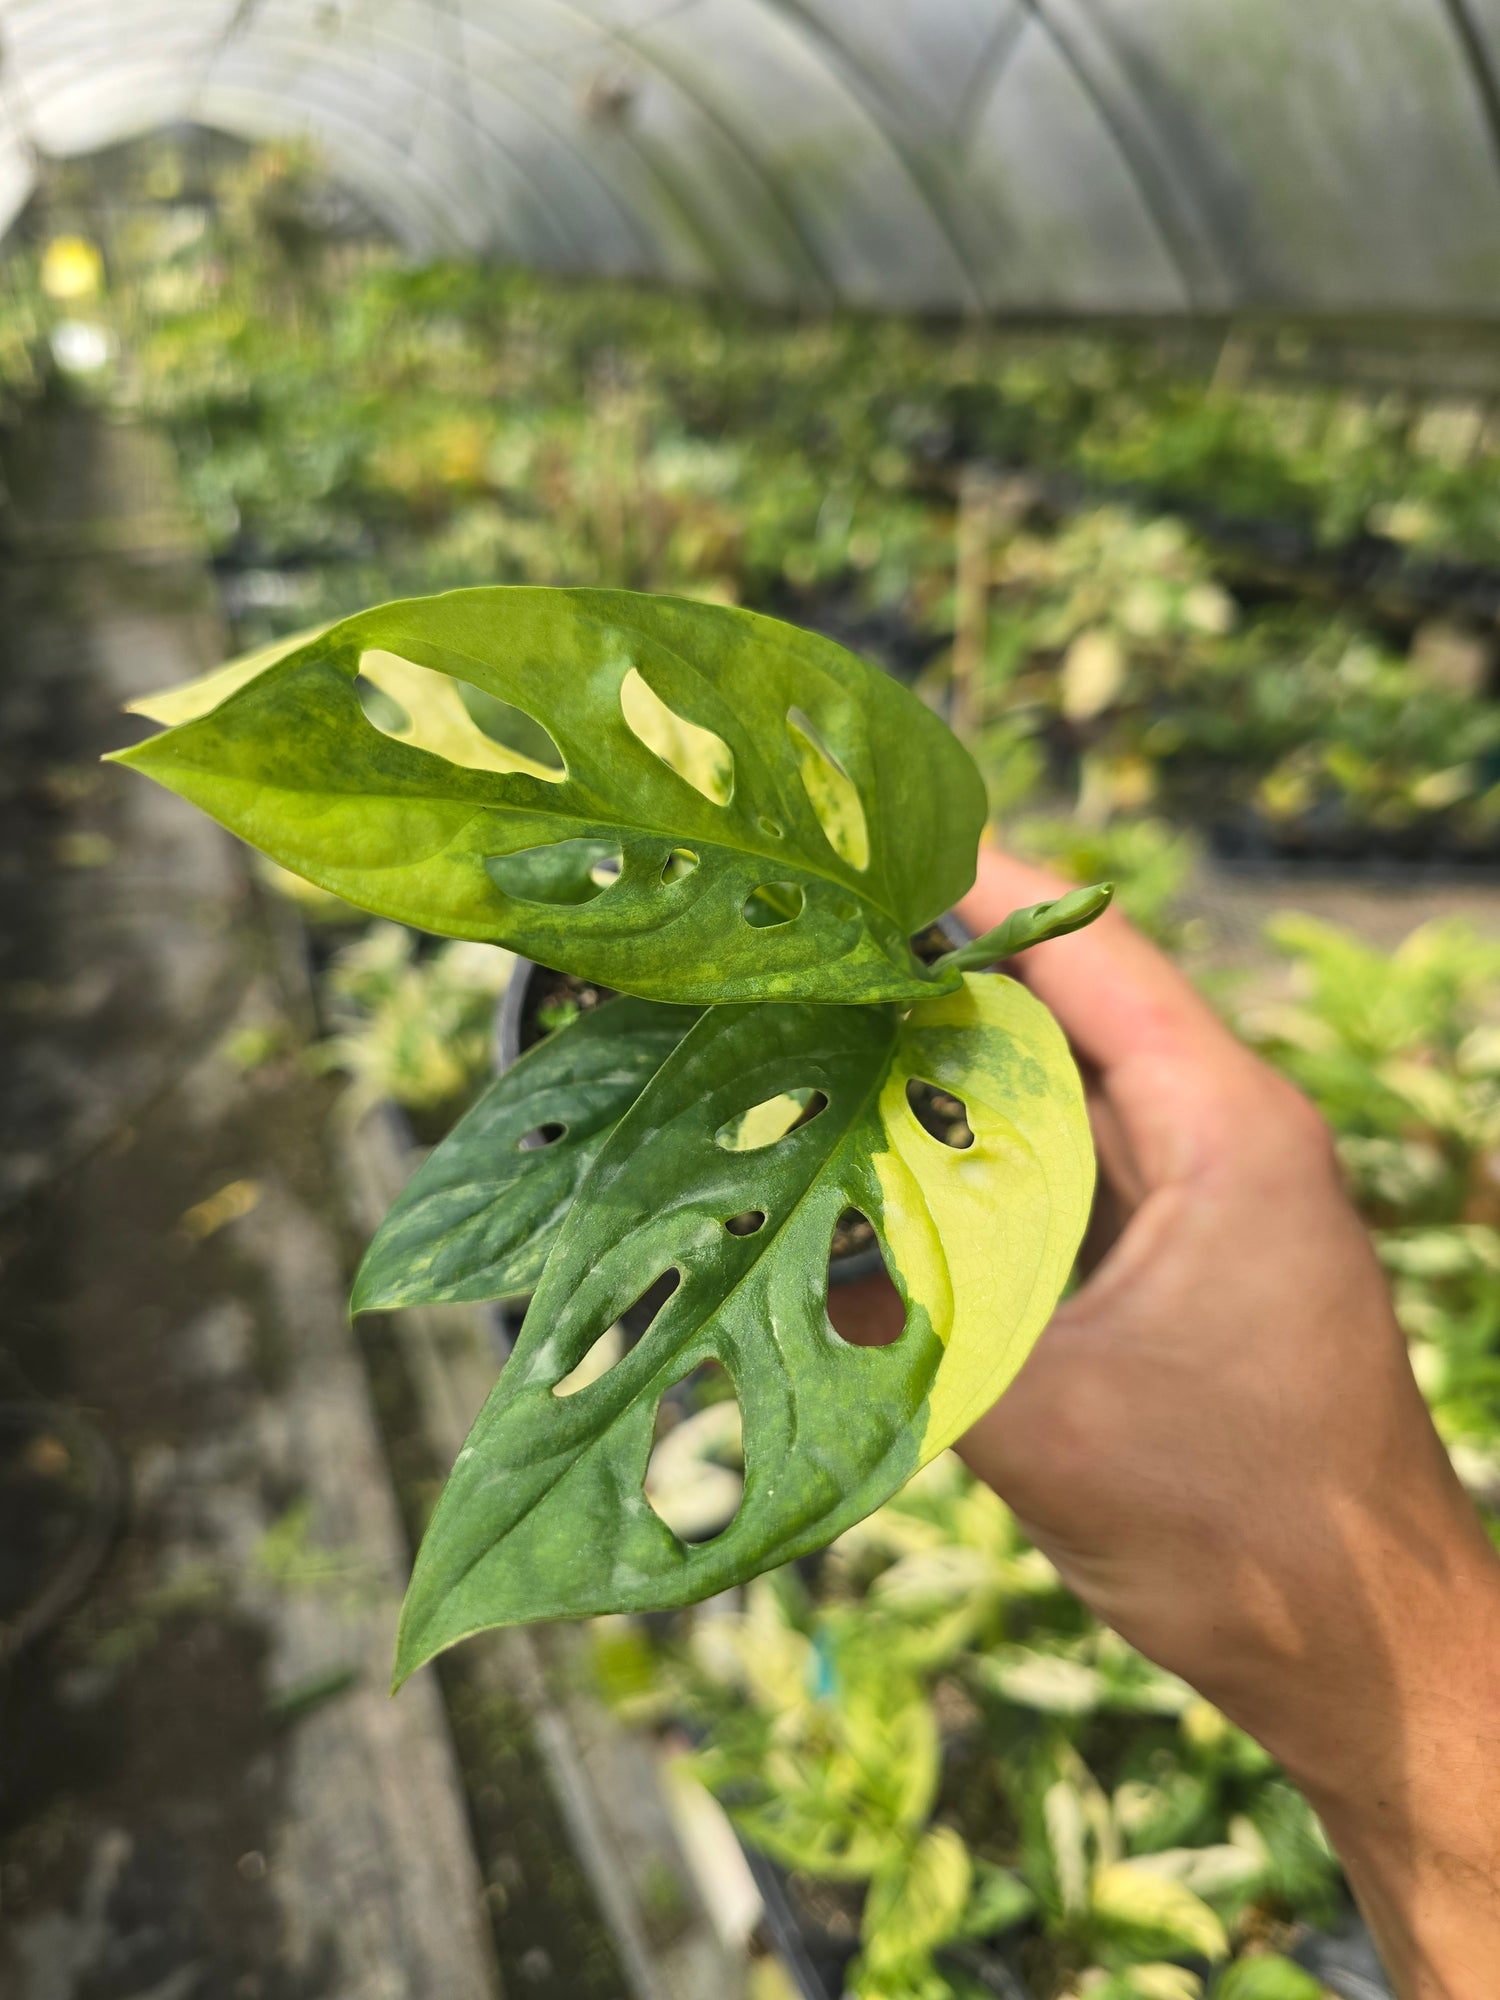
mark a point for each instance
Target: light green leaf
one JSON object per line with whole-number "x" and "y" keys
{"x": 1067, "y": 1828}
{"x": 818, "y": 1835}
{"x": 1141, "y": 1982}
{"x": 740, "y": 876}
{"x": 998, "y": 1901}
{"x": 917, "y": 1903}
{"x": 1152, "y": 1911}
{"x": 1033, "y": 925}
{"x": 1269, "y": 1977}
{"x": 545, "y": 1515}
{"x": 478, "y": 1217}
{"x": 1044, "y": 1681}
{"x": 694, "y": 1481}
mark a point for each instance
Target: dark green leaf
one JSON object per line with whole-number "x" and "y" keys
{"x": 740, "y": 769}
{"x": 545, "y": 1513}
{"x": 478, "y": 1217}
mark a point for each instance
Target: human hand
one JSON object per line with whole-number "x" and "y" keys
{"x": 1219, "y": 1443}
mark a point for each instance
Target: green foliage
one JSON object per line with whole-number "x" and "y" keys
{"x": 1401, "y": 1052}
{"x": 479, "y": 1216}
{"x": 824, "y": 1707}
{"x": 409, "y": 1028}
{"x": 350, "y": 429}
{"x": 1267, "y": 1977}
{"x": 581, "y": 869}
{"x": 1117, "y": 663}
{"x": 780, "y": 1117}
{"x": 723, "y": 811}
{"x": 832, "y": 1760}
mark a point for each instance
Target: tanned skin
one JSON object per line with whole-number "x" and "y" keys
{"x": 1219, "y": 1443}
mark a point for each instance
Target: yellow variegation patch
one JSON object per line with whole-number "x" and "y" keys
{"x": 433, "y": 713}
{"x": 188, "y": 700}
{"x": 984, "y": 1238}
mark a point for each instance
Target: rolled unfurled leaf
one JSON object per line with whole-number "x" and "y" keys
{"x": 1034, "y": 925}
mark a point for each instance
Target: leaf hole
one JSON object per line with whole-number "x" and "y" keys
{"x": 831, "y": 792}
{"x": 601, "y": 1357}
{"x": 453, "y": 719}
{"x": 853, "y": 1236}
{"x": 618, "y": 1338}
{"x": 939, "y": 1113}
{"x": 563, "y": 872}
{"x": 638, "y": 1318}
{"x": 773, "y": 1119}
{"x": 864, "y": 1307}
{"x": 695, "y": 1480}
{"x": 746, "y": 1224}
{"x": 698, "y": 756}
{"x": 381, "y": 712}
{"x": 678, "y": 865}
{"x": 773, "y": 903}
{"x": 543, "y": 1135}
{"x": 770, "y": 828}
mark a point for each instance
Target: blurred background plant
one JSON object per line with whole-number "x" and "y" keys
{"x": 412, "y": 1026}
{"x": 953, "y": 1768}
{"x": 1153, "y": 617}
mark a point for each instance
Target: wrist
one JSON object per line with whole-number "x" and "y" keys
{"x": 1401, "y": 1756}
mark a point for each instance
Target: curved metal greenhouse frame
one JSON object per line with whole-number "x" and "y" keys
{"x": 1021, "y": 156}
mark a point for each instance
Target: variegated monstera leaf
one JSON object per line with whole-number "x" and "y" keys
{"x": 741, "y": 827}
{"x": 545, "y": 1513}
{"x": 737, "y": 811}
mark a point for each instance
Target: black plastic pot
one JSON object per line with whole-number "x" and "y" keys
{"x": 818, "y": 1961}
{"x": 1331, "y": 845}
{"x": 1344, "y": 1959}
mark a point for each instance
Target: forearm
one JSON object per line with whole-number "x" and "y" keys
{"x": 1406, "y": 1777}
{"x": 1220, "y": 1445}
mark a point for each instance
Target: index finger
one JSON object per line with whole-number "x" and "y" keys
{"x": 1115, "y": 994}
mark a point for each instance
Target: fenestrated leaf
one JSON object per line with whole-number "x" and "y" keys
{"x": 478, "y": 1217}
{"x": 289, "y": 760}
{"x": 544, "y": 1514}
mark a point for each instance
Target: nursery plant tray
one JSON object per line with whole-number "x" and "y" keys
{"x": 817, "y": 1960}
{"x": 1419, "y": 855}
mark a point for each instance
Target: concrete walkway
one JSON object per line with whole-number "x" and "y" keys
{"x": 205, "y": 1792}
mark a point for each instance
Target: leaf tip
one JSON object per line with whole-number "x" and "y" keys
{"x": 364, "y": 1293}
{"x": 415, "y": 1645}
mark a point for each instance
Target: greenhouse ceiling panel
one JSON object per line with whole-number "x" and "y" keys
{"x": 1015, "y": 156}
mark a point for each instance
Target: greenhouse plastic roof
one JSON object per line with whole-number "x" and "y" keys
{"x": 1026, "y": 156}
